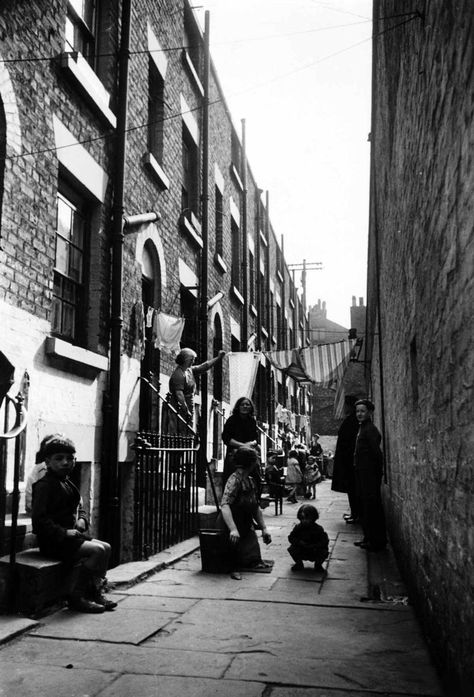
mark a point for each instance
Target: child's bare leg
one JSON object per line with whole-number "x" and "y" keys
{"x": 94, "y": 555}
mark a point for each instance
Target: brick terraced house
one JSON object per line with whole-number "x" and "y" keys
{"x": 126, "y": 196}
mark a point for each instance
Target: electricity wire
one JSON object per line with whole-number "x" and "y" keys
{"x": 189, "y": 46}
{"x": 211, "y": 103}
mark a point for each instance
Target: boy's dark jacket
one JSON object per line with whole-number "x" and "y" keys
{"x": 56, "y": 508}
{"x": 310, "y": 537}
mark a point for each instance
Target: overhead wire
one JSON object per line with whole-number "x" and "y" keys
{"x": 211, "y": 103}
{"x": 169, "y": 49}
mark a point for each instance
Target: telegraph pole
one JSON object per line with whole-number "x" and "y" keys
{"x": 304, "y": 267}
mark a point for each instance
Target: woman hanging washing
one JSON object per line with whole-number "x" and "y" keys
{"x": 182, "y": 386}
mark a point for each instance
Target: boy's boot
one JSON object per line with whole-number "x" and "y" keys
{"x": 96, "y": 593}
{"x": 77, "y": 598}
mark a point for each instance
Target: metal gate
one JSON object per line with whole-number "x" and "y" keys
{"x": 166, "y": 493}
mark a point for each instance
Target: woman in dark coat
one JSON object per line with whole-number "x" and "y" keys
{"x": 368, "y": 468}
{"x": 239, "y": 430}
{"x": 343, "y": 475}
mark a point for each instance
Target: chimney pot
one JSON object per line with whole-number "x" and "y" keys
{"x": 361, "y": 302}
{"x": 354, "y": 301}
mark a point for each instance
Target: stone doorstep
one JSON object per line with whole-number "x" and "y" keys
{"x": 39, "y": 582}
{"x": 131, "y": 573}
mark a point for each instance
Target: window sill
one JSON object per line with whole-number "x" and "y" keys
{"x": 291, "y": 302}
{"x": 280, "y": 276}
{"x": 264, "y": 332}
{"x": 151, "y": 164}
{"x": 263, "y": 238}
{"x": 192, "y": 229}
{"x": 189, "y": 65}
{"x": 237, "y": 295}
{"x": 220, "y": 263}
{"x": 235, "y": 174}
{"x": 253, "y": 310}
{"x": 74, "y": 357}
{"x": 76, "y": 67}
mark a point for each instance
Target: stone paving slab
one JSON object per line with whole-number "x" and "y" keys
{"x": 12, "y": 626}
{"x": 398, "y": 675}
{"x": 21, "y": 679}
{"x": 322, "y": 692}
{"x": 267, "y": 641}
{"x": 310, "y": 599}
{"x": 199, "y": 584}
{"x": 121, "y": 626}
{"x": 147, "y": 686}
{"x": 155, "y": 603}
{"x": 132, "y": 571}
{"x": 113, "y": 658}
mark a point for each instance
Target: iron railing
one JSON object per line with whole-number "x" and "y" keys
{"x": 166, "y": 492}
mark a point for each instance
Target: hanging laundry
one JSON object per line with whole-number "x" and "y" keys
{"x": 168, "y": 331}
{"x": 139, "y": 319}
{"x": 149, "y": 317}
{"x": 242, "y": 374}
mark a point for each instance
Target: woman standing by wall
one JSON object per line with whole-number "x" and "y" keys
{"x": 368, "y": 468}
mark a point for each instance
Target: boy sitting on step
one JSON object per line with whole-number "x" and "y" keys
{"x": 62, "y": 528}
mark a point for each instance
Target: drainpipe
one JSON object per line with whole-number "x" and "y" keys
{"x": 269, "y": 310}
{"x": 284, "y": 341}
{"x": 110, "y": 482}
{"x": 245, "y": 252}
{"x": 259, "y": 290}
{"x": 284, "y": 338}
{"x": 203, "y": 310}
{"x": 295, "y": 310}
{"x": 373, "y": 204}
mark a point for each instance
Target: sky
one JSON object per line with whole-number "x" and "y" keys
{"x": 299, "y": 73}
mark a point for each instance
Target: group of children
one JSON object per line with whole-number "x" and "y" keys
{"x": 308, "y": 540}
{"x": 62, "y": 528}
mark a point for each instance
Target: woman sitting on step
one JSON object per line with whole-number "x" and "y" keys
{"x": 61, "y": 526}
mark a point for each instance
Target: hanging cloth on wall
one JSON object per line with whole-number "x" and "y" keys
{"x": 168, "y": 331}
{"x": 322, "y": 365}
{"x": 326, "y": 364}
{"x": 242, "y": 374}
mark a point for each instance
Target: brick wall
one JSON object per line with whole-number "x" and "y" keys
{"x": 421, "y": 227}
{"x": 33, "y": 94}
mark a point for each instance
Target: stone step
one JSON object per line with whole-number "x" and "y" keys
{"x": 38, "y": 582}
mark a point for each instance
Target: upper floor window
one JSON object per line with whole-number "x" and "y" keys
{"x": 81, "y": 28}
{"x": 251, "y": 279}
{"x": 279, "y": 326}
{"x": 156, "y": 111}
{"x": 189, "y": 185}
{"x": 279, "y": 261}
{"x": 271, "y": 328}
{"x": 3, "y": 152}
{"x": 193, "y": 42}
{"x": 68, "y": 286}
{"x": 235, "y": 232}
{"x": 263, "y": 299}
{"x": 219, "y": 222}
